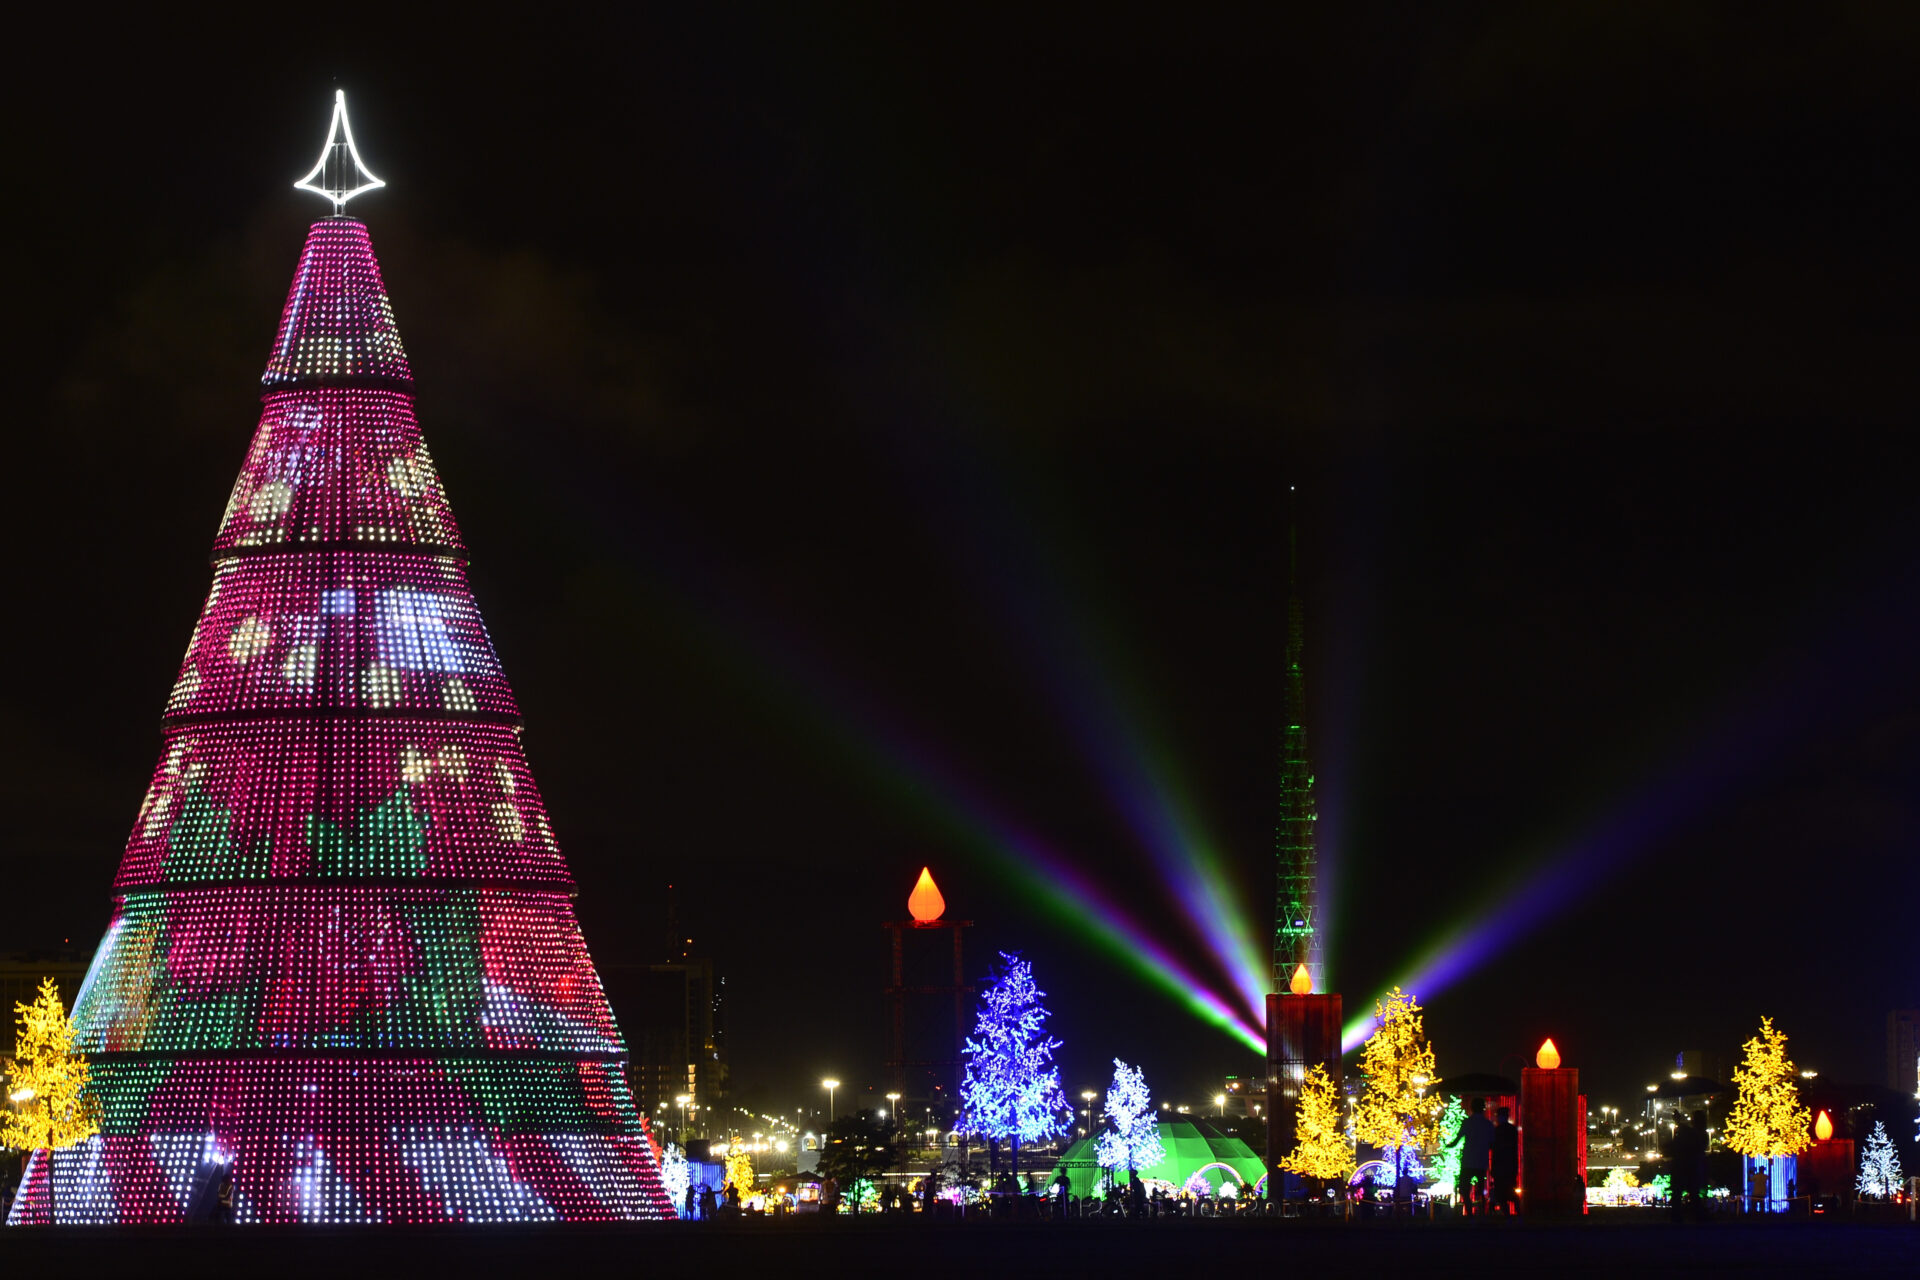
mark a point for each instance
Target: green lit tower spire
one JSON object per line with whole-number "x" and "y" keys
{"x": 1296, "y": 907}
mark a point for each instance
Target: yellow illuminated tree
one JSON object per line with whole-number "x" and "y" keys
{"x": 1399, "y": 1108}
{"x": 1320, "y": 1148}
{"x": 47, "y": 1082}
{"x": 739, "y": 1168}
{"x": 1767, "y": 1118}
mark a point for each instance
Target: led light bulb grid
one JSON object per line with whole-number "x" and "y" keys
{"x": 269, "y": 967}
{"x": 372, "y": 1140}
{"x": 342, "y": 798}
{"x": 342, "y": 899}
{"x": 337, "y": 322}
{"x": 340, "y": 630}
{"x": 336, "y": 465}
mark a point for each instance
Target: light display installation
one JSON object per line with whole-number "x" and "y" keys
{"x": 1011, "y": 1087}
{"x": 1296, "y": 908}
{"x": 1880, "y": 1177}
{"x": 343, "y": 967}
{"x": 1322, "y": 1150}
{"x": 1767, "y": 1118}
{"x": 1133, "y": 1143}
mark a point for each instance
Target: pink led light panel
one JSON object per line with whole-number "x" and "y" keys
{"x": 337, "y": 464}
{"x": 292, "y": 967}
{"x": 343, "y": 965}
{"x": 342, "y": 798}
{"x": 371, "y": 1140}
{"x": 337, "y": 322}
{"x": 340, "y": 630}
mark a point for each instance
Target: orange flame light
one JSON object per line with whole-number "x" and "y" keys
{"x": 1823, "y": 1128}
{"x": 1548, "y": 1059}
{"x": 1302, "y": 984}
{"x": 925, "y": 901}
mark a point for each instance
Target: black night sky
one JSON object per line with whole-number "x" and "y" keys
{"x": 812, "y": 382}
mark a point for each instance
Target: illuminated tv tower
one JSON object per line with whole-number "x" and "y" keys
{"x": 1296, "y": 919}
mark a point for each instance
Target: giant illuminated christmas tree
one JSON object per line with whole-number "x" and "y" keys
{"x": 343, "y": 969}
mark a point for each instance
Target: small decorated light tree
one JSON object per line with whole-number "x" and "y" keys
{"x": 1321, "y": 1150}
{"x": 676, "y": 1177}
{"x": 1134, "y": 1141}
{"x": 739, "y": 1168}
{"x": 1398, "y": 1110}
{"x": 1880, "y": 1177}
{"x": 1767, "y": 1119}
{"x": 1444, "y": 1168}
{"x": 1011, "y": 1088}
{"x": 47, "y": 1083}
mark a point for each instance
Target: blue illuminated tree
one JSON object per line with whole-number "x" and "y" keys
{"x": 1011, "y": 1088}
{"x": 1134, "y": 1141}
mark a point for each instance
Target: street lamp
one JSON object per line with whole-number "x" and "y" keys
{"x": 683, "y": 1100}
{"x": 894, "y": 1098}
{"x": 1220, "y": 1101}
{"x": 1087, "y": 1096}
{"x": 829, "y": 1086}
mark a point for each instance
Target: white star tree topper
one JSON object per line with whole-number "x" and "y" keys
{"x": 339, "y": 174}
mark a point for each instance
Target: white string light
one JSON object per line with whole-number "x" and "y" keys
{"x": 339, "y": 137}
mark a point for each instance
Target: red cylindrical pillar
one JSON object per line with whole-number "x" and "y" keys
{"x": 1553, "y": 1120}
{"x": 1302, "y": 1031}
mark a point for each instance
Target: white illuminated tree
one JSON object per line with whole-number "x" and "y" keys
{"x": 675, "y": 1176}
{"x": 1134, "y": 1141}
{"x": 1880, "y": 1176}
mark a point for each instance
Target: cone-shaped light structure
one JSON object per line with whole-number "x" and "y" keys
{"x": 1823, "y": 1127}
{"x": 1302, "y": 983}
{"x": 925, "y": 903}
{"x": 1548, "y": 1059}
{"x": 342, "y": 964}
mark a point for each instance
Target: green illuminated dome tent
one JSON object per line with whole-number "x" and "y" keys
{"x": 1191, "y": 1146}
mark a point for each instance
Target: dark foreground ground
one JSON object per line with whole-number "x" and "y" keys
{"x": 1176, "y": 1250}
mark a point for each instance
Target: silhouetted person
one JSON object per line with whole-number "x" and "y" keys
{"x": 1505, "y": 1162}
{"x": 1137, "y": 1198}
{"x": 706, "y": 1203}
{"x": 692, "y": 1201}
{"x": 1687, "y": 1158}
{"x": 1062, "y": 1193}
{"x": 223, "y": 1199}
{"x": 1476, "y": 1147}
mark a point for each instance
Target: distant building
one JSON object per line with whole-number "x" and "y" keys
{"x": 1699, "y": 1064}
{"x": 21, "y": 973}
{"x": 1699, "y": 1081}
{"x": 1245, "y": 1097}
{"x": 673, "y": 1020}
{"x": 1903, "y": 1050}
{"x": 672, "y": 1016}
